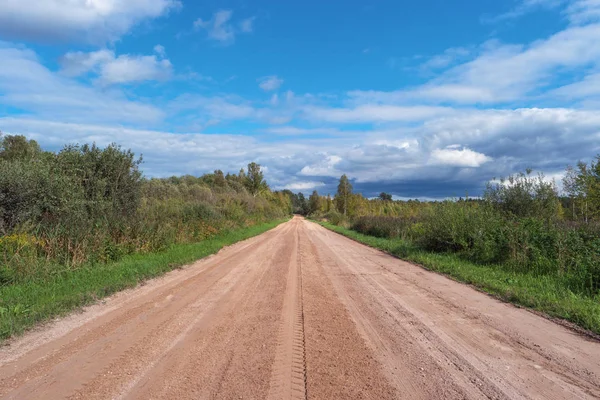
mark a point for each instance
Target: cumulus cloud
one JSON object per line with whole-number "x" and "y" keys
{"x": 114, "y": 70}
{"x": 77, "y": 20}
{"x": 459, "y": 157}
{"x": 270, "y": 83}
{"x": 221, "y": 29}
{"x": 326, "y": 166}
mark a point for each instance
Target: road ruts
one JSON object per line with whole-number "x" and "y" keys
{"x": 288, "y": 377}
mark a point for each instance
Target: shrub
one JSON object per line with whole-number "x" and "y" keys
{"x": 474, "y": 230}
{"x": 336, "y": 217}
{"x": 384, "y": 226}
{"x": 91, "y": 205}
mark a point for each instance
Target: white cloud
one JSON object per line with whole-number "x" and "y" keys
{"x": 459, "y": 158}
{"x": 79, "y": 63}
{"x": 270, "y": 83}
{"x": 29, "y": 86}
{"x": 456, "y": 92}
{"x": 292, "y": 130}
{"x": 374, "y": 113}
{"x": 583, "y": 11}
{"x": 576, "y": 11}
{"x": 221, "y": 29}
{"x": 218, "y": 27}
{"x": 303, "y": 185}
{"x": 425, "y": 160}
{"x": 221, "y": 108}
{"x": 78, "y": 20}
{"x": 114, "y": 70}
{"x": 510, "y": 72}
{"x": 326, "y": 166}
{"x": 127, "y": 68}
{"x": 502, "y": 73}
{"x": 406, "y": 138}
{"x": 165, "y": 153}
{"x": 588, "y": 87}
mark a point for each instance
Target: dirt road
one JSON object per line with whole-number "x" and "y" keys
{"x": 301, "y": 312}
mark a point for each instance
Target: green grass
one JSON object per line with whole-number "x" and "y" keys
{"x": 26, "y": 304}
{"x": 548, "y": 294}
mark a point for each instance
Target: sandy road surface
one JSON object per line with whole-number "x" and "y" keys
{"x": 300, "y": 312}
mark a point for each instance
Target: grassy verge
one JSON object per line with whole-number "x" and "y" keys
{"x": 25, "y": 304}
{"x": 547, "y": 294}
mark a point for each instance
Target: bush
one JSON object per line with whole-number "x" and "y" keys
{"x": 384, "y": 226}
{"x": 484, "y": 233}
{"x": 336, "y": 218}
{"x": 474, "y": 230}
{"x": 87, "y": 205}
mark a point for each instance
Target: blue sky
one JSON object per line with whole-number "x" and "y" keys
{"x": 424, "y": 99}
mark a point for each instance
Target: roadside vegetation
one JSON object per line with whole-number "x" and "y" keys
{"x": 83, "y": 222}
{"x": 521, "y": 241}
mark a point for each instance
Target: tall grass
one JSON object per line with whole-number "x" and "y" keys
{"x": 482, "y": 234}
{"x": 552, "y": 294}
{"x": 41, "y": 298}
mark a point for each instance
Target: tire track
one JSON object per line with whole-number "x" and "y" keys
{"x": 288, "y": 376}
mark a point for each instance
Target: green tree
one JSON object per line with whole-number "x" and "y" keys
{"x": 314, "y": 203}
{"x": 583, "y": 187}
{"x": 219, "y": 178}
{"x": 524, "y": 195}
{"x": 17, "y": 147}
{"x": 343, "y": 195}
{"x": 109, "y": 179}
{"x": 383, "y": 196}
{"x": 255, "y": 181}
{"x": 572, "y": 189}
{"x": 300, "y": 204}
